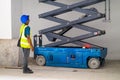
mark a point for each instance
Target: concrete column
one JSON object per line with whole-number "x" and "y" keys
{"x": 9, "y": 53}
{"x": 5, "y": 19}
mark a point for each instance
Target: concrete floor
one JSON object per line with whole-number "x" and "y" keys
{"x": 111, "y": 71}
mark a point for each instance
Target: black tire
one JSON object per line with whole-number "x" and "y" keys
{"x": 93, "y": 63}
{"x": 40, "y": 60}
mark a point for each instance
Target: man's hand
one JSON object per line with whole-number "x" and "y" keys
{"x": 32, "y": 48}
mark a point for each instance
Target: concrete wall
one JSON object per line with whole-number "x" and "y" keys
{"x": 16, "y": 13}
{"x": 10, "y": 24}
{"x": 33, "y": 8}
{"x": 111, "y": 40}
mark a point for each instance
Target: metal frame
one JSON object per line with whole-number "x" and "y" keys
{"x": 91, "y": 14}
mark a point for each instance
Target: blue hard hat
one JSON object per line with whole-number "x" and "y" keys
{"x": 24, "y": 18}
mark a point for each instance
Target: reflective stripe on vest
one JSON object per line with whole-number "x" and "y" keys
{"x": 23, "y": 42}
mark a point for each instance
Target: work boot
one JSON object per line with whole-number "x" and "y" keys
{"x": 27, "y": 70}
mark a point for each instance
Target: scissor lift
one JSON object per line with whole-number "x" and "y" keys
{"x": 56, "y": 54}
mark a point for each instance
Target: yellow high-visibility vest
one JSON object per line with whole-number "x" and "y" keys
{"x": 23, "y": 42}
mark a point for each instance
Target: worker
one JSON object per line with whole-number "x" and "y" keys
{"x": 25, "y": 42}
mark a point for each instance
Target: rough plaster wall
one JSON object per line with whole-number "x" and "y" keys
{"x": 9, "y": 53}
{"x": 111, "y": 40}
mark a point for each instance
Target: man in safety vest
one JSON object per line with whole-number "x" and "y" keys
{"x": 25, "y": 42}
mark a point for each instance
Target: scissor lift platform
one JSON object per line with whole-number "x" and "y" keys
{"x": 55, "y": 54}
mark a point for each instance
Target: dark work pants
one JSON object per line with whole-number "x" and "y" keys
{"x": 26, "y": 52}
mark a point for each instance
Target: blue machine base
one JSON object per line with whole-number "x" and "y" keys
{"x": 69, "y": 57}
